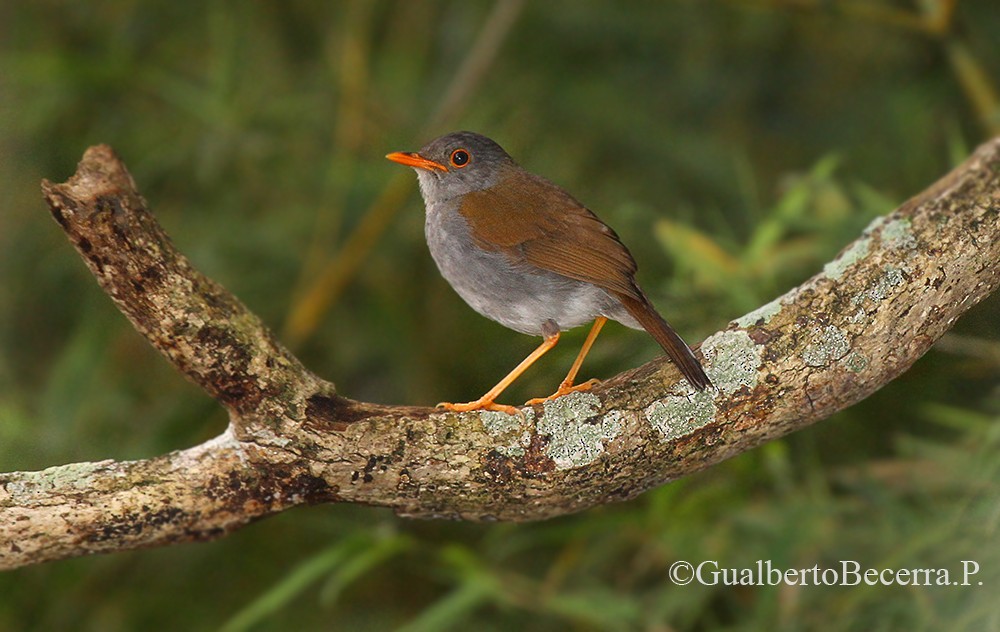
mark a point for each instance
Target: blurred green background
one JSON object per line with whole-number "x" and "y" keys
{"x": 735, "y": 146}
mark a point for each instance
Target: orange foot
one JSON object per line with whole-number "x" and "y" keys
{"x": 481, "y": 404}
{"x": 565, "y": 389}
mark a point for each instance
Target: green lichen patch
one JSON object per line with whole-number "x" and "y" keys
{"x": 898, "y": 233}
{"x": 511, "y": 430}
{"x": 827, "y": 345}
{"x": 894, "y": 234}
{"x": 855, "y": 362}
{"x": 499, "y": 424}
{"x": 854, "y": 253}
{"x": 882, "y": 287}
{"x": 763, "y": 314}
{"x": 733, "y": 360}
{"x": 511, "y": 451}
{"x": 576, "y": 434}
{"x": 676, "y": 416}
{"x": 76, "y": 476}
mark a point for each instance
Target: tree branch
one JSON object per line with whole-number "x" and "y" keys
{"x": 292, "y": 439}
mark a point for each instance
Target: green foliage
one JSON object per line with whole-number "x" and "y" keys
{"x": 735, "y": 146}
{"x": 339, "y": 565}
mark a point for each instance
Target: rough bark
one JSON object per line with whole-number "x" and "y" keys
{"x": 292, "y": 439}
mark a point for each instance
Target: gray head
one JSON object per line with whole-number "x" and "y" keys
{"x": 455, "y": 164}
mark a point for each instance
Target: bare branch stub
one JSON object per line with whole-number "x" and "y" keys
{"x": 205, "y": 331}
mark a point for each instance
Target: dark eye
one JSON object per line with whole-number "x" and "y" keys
{"x": 460, "y": 158}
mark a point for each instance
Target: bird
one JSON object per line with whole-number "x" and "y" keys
{"x": 523, "y": 252}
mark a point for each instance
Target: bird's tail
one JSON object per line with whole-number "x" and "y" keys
{"x": 672, "y": 343}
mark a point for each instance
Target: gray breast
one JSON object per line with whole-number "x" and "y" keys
{"x": 517, "y": 296}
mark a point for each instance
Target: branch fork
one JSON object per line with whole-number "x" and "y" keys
{"x": 292, "y": 439}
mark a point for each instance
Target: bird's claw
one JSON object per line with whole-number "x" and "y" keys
{"x": 481, "y": 404}
{"x": 565, "y": 389}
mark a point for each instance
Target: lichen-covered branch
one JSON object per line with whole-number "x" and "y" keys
{"x": 203, "y": 492}
{"x": 292, "y": 439}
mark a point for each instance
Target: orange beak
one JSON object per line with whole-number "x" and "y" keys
{"x": 413, "y": 159}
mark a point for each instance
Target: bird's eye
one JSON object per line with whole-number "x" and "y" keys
{"x": 460, "y": 158}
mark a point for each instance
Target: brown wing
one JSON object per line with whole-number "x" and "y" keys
{"x": 551, "y": 230}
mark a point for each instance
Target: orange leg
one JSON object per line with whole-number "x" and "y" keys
{"x": 487, "y": 401}
{"x": 566, "y": 386}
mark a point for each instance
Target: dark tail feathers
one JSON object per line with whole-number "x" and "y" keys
{"x": 672, "y": 343}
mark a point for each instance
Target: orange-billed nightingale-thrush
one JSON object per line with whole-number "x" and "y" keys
{"x": 523, "y": 252}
